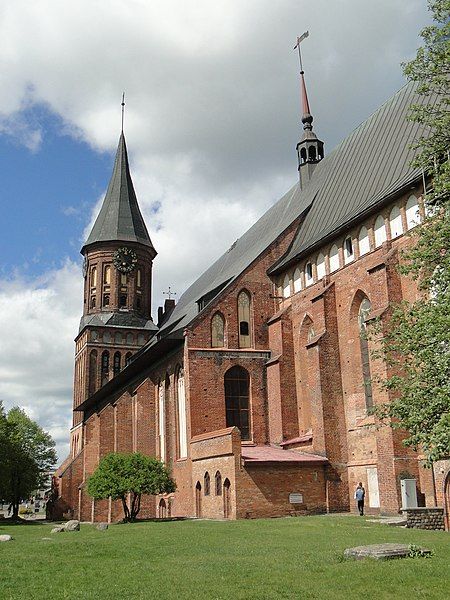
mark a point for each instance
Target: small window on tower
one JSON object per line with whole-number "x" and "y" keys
{"x": 123, "y": 300}
{"x": 139, "y": 278}
{"x": 92, "y": 301}
{"x": 138, "y": 303}
{"x": 105, "y": 299}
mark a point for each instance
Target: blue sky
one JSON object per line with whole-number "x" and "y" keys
{"x": 212, "y": 120}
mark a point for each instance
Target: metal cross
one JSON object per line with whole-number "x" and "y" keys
{"x": 297, "y": 45}
{"x": 169, "y": 293}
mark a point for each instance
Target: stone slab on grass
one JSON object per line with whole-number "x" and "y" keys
{"x": 392, "y": 521}
{"x": 380, "y": 551}
{"x": 5, "y": 538}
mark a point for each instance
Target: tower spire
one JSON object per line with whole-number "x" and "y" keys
{"x": 123, "y": 108}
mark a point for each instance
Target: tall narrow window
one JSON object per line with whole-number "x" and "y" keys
{"x": 348, "y": 251}
{"x": 286, "y": 287}
{"x": 128, "y": 356}
{"x": 162, "y": 421}
{"x": 245, "y": 333}
{"x": 105, "y": 367}
{"x": 139, "y": 278}
{"x": 94, "y": 277}
{"x": 334, "y": 258}
{"x": 320, "y": 266}
{"x": 116, "y": 366}
{"x": 379, "y": 231}
{"x": 130, "y": 339}
{"x": 92, "y": 372}
{"x": 182, "y": 421}
{"x": 395, "y": 221}
{"x": 118, "y": 338}
{"x": 237, "y": 400}
{"x": 412, "y": 212}
{"x": 207, "y": 484}
{"x": 363, "y": 241}
{"x": 218, "y": 483}
{"x": 297, "y": 280}
{"x": 107, "y": 276}
{"x": 308, "y": 274}
{"x": 363, "y": 313}
{"x": 217, "y": 331}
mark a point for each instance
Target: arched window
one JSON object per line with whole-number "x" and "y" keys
{"x": 107, "y": 275}
{"x": 237, "y": 400}
{"x": 286, "y": 287}
{"x": 312, "y": 153}
{"x": 412, "y": 212}
{"x": 226, "y": 498}
{"x": 244, "y": 319}
{"x": 93, "y": 301}
{"x": 118, "y": 337}
{"x": 92, "y": 372}
{"x": 303, "y": 155}
{"x": 198, "y": 499}
{"x": 395, "y": 221}
{"x": 363, "y": 241}
{"x": 162, "y": 421}
{"x": 182, "y": 421}
{"x": 141, "y": 339}
{"x": 379, "y": 231}
{"x": 107, "y": 337}
{"x": 94, "y": 277}
{"x": 320, "y": 264}
{"x": 334, "y": 258}
{"x": 308, "y": 274}
{"x": 297, "y": 280}
{"x": 363, "y": 313}
{"x": 116, "y": 366}
{"x": 207, "y": 484}
{"x": 128, "y": 356}
{"x": 130, "y": 339}
{"x": 218, "y": 483}
{"x": 217, "y": 331}
{"x": 348, "y": 251}
{"x": 105, "y": 367}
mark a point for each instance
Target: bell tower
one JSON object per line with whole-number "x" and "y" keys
{"x": 117, "y": 269}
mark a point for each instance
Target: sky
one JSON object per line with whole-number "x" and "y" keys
{"x": 212, "y": 118}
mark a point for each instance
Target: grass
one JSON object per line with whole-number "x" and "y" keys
{"x": 267, "y": 559}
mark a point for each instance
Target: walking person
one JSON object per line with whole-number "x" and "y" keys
{"x": 360, "y": 493}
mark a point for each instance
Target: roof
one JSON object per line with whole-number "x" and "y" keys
{"x": 116, "y": 319}
{"x": 119, "y": 218}
{"x": 370, "y": 166}
{"x": 265, "y": 454}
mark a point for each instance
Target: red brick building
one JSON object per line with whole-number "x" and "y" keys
{"x": 255, "y": 388}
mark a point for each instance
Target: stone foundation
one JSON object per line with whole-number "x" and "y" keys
{"x": 424, "y": 518}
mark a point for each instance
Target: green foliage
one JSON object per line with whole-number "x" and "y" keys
{"x": 417, "y": 344}
{"x": 28, "y": 452}
{"x": 119, "y": 474}
{"x": 416, "y": 551}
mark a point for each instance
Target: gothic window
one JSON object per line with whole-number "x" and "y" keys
{"x": 412, "y": 212}
{"x": 162, "y": 421}
{"x": 363, "y": 313}
{"x": 348, "y": 251}
{"x": 218, "y": 483}
{"x": 92, "y": 372}
{"x": 308, "y": 274}
{"x": 320, "y": 266}
{"x": 116, "y": 365}
{"x": 237, "y": 400}
{"x": 217, "y": 331}
{"x": 207, "y": 484}
{"x": 334, "y": 258}
{"x": 363, "y": 241}
{"x": 286, "y": 287}
{"x": 182, "y": 421}
{"x": 130, "y": 339}
{"x": 379, "y": 231}
{"x": 118, "y": 337}
{"x": 395, "y": 220}
{"x": 297, "y": 280}
{"x": 128, "y": 356}
{"x": 105, "y": 367}
{"x": 244, "y": 304}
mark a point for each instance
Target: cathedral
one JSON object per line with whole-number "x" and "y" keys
{"x": 255, "y": 389}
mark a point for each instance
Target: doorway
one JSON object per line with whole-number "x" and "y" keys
{"x": 198, "y": 500}
{"x": 226, "y": 499}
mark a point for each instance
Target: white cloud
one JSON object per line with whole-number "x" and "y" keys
{"x": 212, "y": 120}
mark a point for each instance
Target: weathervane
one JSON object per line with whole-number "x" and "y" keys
{"x": 123, "y": 107}
{"x": 297, "y": 45}
{"x": 169, "y": 293}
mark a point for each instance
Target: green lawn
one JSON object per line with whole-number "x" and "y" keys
{"x": 274, "y": 558}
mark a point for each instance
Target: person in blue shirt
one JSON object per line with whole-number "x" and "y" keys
{"x": 360, "y": 492}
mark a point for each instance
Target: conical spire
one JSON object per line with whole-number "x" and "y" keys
{"x": 119, "y": 217}
{"x": 307, "y": 118}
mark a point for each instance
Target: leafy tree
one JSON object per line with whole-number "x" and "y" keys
{"x": 417, "y": 341}
{"x": 27, "y": 454}
{"x": 120, "y": 474}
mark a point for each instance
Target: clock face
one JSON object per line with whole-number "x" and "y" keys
{"x": 124, "y": 260}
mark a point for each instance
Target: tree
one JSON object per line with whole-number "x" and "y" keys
{"x": 417, "y": 343}
{"x": 120, "y": 474}
{"x": 27, "y": 454}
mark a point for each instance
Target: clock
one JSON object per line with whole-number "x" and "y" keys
{"x": 124, "y": 260}
{"x": 85, "y": 266}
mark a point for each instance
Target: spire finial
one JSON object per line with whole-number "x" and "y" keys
{"x": 123, "y": 108}
{"x": 307, "y": 118}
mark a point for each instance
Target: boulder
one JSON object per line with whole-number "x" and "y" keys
{"x": 5, "y": 538}
{"x": 72, "y": 525}
{"x": 102, "y": 526}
